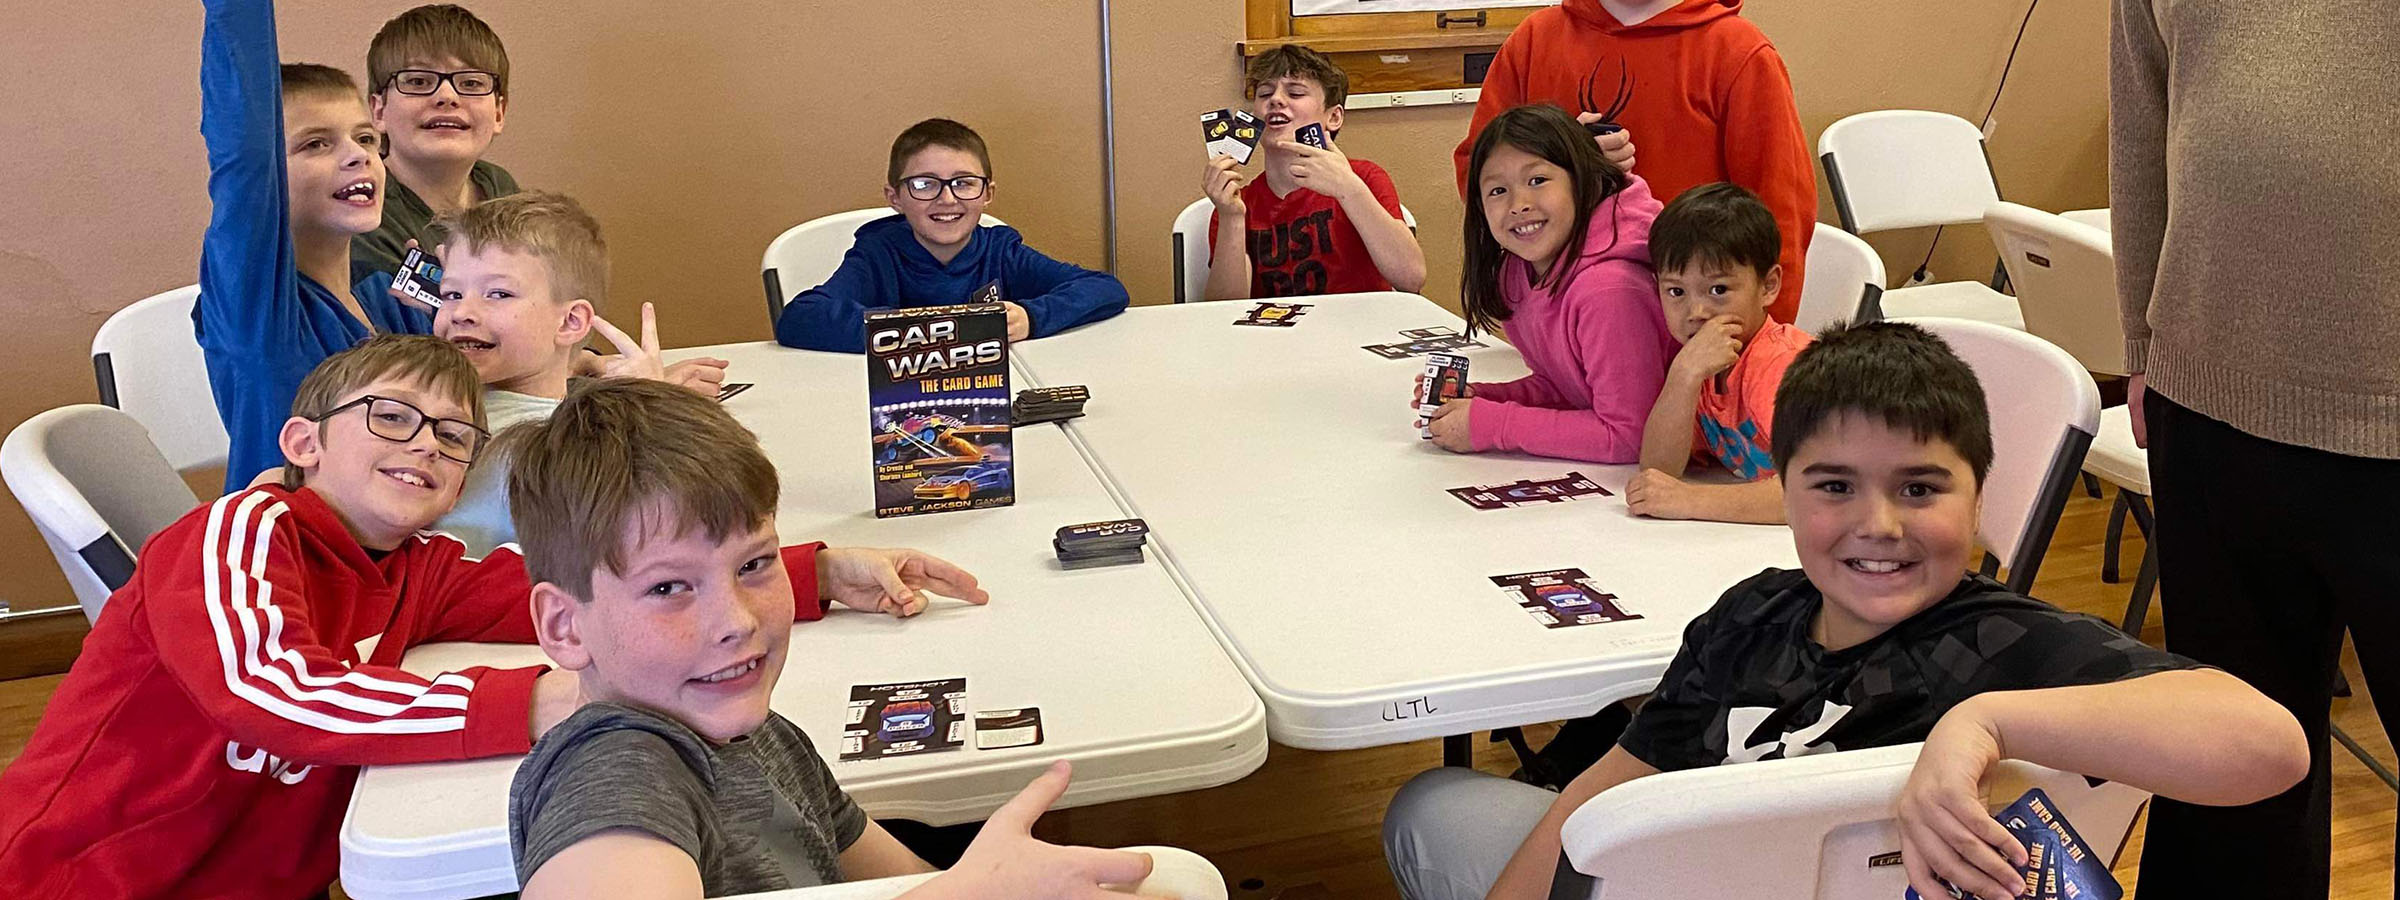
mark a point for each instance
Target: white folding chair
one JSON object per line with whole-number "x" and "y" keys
{"x": 148, "y": 363}
{"x": 1906, "y": 168}
{"x": 1177, "y": 873}
{"x": 1816, "y": 826}
{"x": 2045, "y": 410}
{"x": 2066, "y": 280}
{"x": 2097, "y": 218}
{"x": 1845, "y": 276}
{"x": 1188, "y": 246}
{"x": 96, "y": 488}
{"x": 804, "y": 255}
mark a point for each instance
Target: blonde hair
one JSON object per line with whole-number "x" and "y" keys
{"x": 629, "y": 451}
{"x": 543, "y": 224}
{"x": 424, "y": 359}
{"x": 432, "y": 32}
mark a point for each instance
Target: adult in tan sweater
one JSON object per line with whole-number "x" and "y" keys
{"x": 2255, "y": 193}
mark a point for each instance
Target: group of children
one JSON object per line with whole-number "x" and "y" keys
{"x": 389, "y": 461}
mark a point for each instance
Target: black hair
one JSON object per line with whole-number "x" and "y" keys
{"x": 1548, "y": 132}
{"x": 1892, "y": 371}
{"x": 1721, "y": 224}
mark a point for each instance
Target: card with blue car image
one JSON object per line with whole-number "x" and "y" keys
{"x": 2059, "y": 864}
{"x": 905, "y": 719}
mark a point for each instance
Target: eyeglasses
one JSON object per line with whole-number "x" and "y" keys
{"x": 927, "y": 187}
{"x": 399, "y": 422}
{"x": 421, "y": 82}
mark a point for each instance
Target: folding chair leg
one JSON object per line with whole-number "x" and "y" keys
{"x": 1458, "y": 750}
{"x": 1535, "y": 769}
{"x": 2091, "y": 485}
{"x": 2144, "y": 584}
{"x": 1991, "y": 566}
{"x": 2116, "y": 534}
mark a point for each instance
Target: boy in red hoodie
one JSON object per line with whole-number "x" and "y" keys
{"x": 1697, "y": 81}
{"x": 205, "y": 742}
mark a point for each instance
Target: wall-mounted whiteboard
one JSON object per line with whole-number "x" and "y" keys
{"x": 1341, "y": 7}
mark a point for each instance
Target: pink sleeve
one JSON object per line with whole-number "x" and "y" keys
{"x": 1617, "y": 329}
{"x": 1531, "y": 390}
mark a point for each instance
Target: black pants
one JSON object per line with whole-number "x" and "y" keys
{"x": 2266, "y": 552}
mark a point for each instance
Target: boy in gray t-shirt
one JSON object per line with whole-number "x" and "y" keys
{"x": 647, "y": 515}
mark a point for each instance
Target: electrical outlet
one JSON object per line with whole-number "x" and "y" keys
{"x": 1920, "y": 277}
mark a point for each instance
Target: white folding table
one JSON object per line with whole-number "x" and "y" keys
{"x": 1282, "y": 475}
{"x": 1131, "y": 684}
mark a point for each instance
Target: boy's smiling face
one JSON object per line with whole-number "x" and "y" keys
{"x": 333, "y": 174}
{"x": 384, "y": 490}
{"x": 499, "y": 308}
{"x": 694, "y": 628}
{"x": 945, "y": 223}
{"x": 1705, "y": 289}
{"x": 1286, "y": 103}
{"x": 1884, "y": 523}
{"x": 444, "y": 126}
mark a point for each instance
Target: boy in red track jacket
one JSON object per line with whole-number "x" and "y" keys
{"x": 205, "y": 742}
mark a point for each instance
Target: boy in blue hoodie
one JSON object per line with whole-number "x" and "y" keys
{"x": 294, "y": 173}
{"x": 936, "y": 252}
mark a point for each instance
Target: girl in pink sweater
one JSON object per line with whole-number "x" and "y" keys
{"x": 1558, "y": 258}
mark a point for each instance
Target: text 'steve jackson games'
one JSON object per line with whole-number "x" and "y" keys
{"x": 938, "y": 404}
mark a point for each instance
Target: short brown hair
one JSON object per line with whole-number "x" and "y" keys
{"x": 425, "y": 359}
{"x": 432, "y": 32}
{"x": 310, "y": 78}
{"x": 935, "y": 133}
{"x": 616, "y": 452}
{"x": 548, "y": 225}
{"x": 1894, "y": 372}
{"x": 1293, "y": 60}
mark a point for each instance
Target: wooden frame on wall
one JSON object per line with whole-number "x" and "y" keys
{"x": 1382, "y": 52}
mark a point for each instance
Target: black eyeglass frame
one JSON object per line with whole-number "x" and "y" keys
{"x": 442, "y": 78}
{"x": 982, "y": 183}
{"x": 482, "y": 437}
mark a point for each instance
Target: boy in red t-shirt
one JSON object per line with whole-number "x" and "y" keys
{"x": 1315, "y": 221}
{"x": 1714, "y": 249}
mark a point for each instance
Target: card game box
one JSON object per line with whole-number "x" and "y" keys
{"x": 939, "y": 408}
{"x": 1562, "y": 598}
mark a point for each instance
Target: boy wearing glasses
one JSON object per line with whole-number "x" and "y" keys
{"x": 205, "y": 742}
{"x": 439, "y": 82}
{"x": 937, "y": 252}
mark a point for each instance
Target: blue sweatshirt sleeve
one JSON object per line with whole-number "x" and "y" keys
{"x": 832, "y": 316}
{"x": 1058, "y": 296}
{"x": 249, "y": 280}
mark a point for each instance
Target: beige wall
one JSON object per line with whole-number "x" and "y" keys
{"x": 697, "y": 135}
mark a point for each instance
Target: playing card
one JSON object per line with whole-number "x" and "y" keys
{"x": 988, "y": 293}
{"x": 2079, "y": 875}
{"x": 419, "y": 279}
{"x": 1230, "y": 132}
{"x": 1421, "y": 346}
{"x": 1445, "y": 379}
{"x": 1280, "y": 315}
{"x": 1571, "y": 486}
{"x": 1434, "y": 332}
{"x": 997, "y": 729}
{"x": 1562, "y": 598}
{"x": 1312, "y": 134}
{"x": 727, "y": 390}
{"x": 905, "y": 719}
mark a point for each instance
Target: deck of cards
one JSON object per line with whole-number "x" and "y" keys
{"x": 1112, "y": 543}
{"x": 1230, "y": 132}
{"x": 1445, "y": 379}
{"x": 1049, "y": 404}
{"x": 419, "y": 279}
{"x": 2058, "y": 864}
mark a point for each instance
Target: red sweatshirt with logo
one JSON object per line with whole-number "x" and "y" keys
{"x": 1703, "y": 93}
{"x": 205, "y": 742}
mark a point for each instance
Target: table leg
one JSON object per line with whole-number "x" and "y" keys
{"x": 1459, "y": 750}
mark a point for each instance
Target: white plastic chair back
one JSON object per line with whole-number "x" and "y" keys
{"x": 1906, "y": 168}
{"x": 96, "y": 488}
{"x": 1175, "y": 873}
{"x": 1844, "y": 276}
{"x": 804, "y": 255}
{"x": 1187, "y": 244}
{"x": 2066, "y": 280}
{"x": 2097, "y": 218}
{"x": 2045, "y": 411}
{"x": 147, "y": 362}
{"x": 1816, "y": 826}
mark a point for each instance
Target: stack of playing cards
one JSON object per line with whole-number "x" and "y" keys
{"x": 2058, "y": 864}
{"x": 1112, "y": 543}
{"x": 1230, "y": 132}
{"x": 1445, "y": 379}
{"x": 1050, "y": 404}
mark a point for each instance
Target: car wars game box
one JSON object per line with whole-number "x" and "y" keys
{"x": 938, "y": 404}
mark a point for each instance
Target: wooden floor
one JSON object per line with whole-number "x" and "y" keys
{"x": 1306, "y": 825}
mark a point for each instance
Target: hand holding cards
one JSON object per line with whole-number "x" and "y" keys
{"x": 2058, "y": 864}
{"x": 1230, "y": 132}
{"x": 1445, "y": 379}
{"x": 1312, "y": 134}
